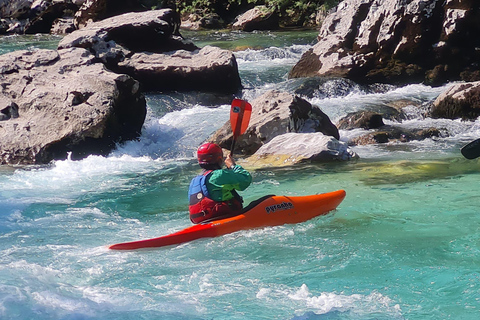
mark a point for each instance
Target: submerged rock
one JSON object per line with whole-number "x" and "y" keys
{"x": 389, "y": 133}
{"x": 379, "y": 132}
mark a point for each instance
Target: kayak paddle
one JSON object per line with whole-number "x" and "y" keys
{"x": 239, "y": 119}
{"x": 471, "y": 150}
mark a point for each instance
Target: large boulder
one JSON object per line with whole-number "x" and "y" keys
{"x": 60, "y": 102}
{"x": 96, "y": 10}
{"x": 122, "y": 35}
{"x": 292, "y": 148}
{"x": 460, "y": 101}
{"x": 207, "y": 69}
{"x": 397, "y": 41}
{"x": 258, "y": 18}
{"x": 275, "y": 113}
{"x": 144, "y": 45}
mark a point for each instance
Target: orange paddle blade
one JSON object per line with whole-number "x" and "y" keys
{"x": 240, "y": 116}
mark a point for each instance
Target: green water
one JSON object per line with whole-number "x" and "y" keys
{"x": 404, "y": 244}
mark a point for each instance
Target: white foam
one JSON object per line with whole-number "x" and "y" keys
{"x": 357, "y": 100}
{"x": 327, "y": 302}
{"x": 177, "y": 134}
{"x": 272, "y": 56}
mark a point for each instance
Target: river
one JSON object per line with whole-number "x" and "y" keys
{"x": 404, "y": 244}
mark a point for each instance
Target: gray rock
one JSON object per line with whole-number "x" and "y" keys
{"x": 96, "y": 10}
{"x": 14, "y": 8}
{"x": 361, "y": 119}
{"x": 150, "y": 31}
{"x": 275, "y": 113}
{"x": 258, "y": 18}
{"x": 208, "y": 69}
{"x": 292, "y": 148}
{"x": 397, "y": 41}
{"x": 66, "y": 103}
{"x": 8, "y": 110}
{"x": 47, "y": 15}
{"x": 387, "y": 133}
{"x": 461, "y": 100}
{"x": 62, "y": 26}
{"x": 144, "y": 46}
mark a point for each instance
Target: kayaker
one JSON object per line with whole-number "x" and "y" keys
{"x": 212, "y": 194}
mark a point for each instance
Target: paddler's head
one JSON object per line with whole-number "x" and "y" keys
{"x": 210, "y": 156}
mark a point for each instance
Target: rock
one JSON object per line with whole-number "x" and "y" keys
{"x": 66, "y": 103}
{"x": 258, "y": 18}
{"x": 14, "y": 8}
{"x": 96, "y": 10}
{"x": 387, "y": 133}
{"x": 397, "y": 41}
{"x": 369, "y": 120}
{"x": 143, "y": 45}
{"x": 4, "y": 26}
{"x": 292, "y": 148}
{"x": 275, "y": 113}
{"x": 211, "y": 21}
{"x": 12, "y": 26}
{"x": 363, "y": 119}
{"x": 8, "y": 110}
{"x": 208, "y": 69}
{"x": 150, "y": 31}
{"x": 43, "y": 22}
{"x": 459, "y": 101}
{"x": 192, "y": 22}
{"x": 62, "y": 26}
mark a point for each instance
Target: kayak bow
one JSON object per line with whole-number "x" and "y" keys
{"x": 273, "y": 211}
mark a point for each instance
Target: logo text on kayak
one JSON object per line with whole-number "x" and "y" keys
{"x": 280, "y": 206}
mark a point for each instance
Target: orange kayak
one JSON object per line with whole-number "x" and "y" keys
{"x": 272, "y": 211}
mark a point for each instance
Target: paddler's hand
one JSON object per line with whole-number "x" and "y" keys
{"x": 229, "y": 162}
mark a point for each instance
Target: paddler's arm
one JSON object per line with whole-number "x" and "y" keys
{"x": 220, "y": 181}
{"x": 242, "y": 177}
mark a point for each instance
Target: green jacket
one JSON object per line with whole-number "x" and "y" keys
{"x": 220, "y": 183}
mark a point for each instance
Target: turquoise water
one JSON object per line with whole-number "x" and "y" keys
{"x": 404, "y": 244}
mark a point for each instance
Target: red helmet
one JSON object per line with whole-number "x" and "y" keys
{"x": 209, "y": 153}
